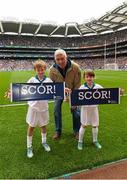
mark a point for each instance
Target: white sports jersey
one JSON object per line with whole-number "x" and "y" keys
{"x": 41, "y": 105}
{"x": 95, "y": 86}
{"x": 89, "y": 113}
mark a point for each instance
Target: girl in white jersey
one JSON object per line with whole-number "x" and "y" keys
{"x": 38, "y": 113}
{"x": 89, "y": 114}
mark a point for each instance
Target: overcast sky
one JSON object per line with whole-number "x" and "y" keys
{"x": 59, "y": 11}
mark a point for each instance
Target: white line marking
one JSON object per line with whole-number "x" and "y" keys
{"x": 124, "y": 95}
{"x": 13, "y": 105}
{"x": 24, "y": 104}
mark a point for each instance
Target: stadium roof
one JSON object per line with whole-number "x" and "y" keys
{"x": 110, "y": 22}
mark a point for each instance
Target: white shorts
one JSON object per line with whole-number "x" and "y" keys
{"x": 35, "y": 118}
{"x": 89, "y": 116}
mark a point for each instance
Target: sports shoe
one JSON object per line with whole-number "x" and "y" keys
{"x": 56, "y": 136}
{"x": 76, "y": 135}
{"x": 29, "y": 152}
{"x": 46, "y": 147}
{"x": 80, "y": 146}
{"x": 97, "y": 145}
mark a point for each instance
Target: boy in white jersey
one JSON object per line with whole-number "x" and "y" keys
{"x": 38, "y": 113}
{"x": 89, "y": 114}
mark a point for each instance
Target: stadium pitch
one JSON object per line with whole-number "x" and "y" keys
{"x": 64, "y": 156}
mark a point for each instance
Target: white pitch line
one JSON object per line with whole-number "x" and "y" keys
{"x": 23, "y": 104}
{"x": 124, "y": 95}
{"x": 12, "y": 105}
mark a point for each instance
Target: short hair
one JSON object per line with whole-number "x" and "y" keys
{"x": 60, "y": 51}
{"x": 89, "y": 73}
{"x": 39, "y": 64}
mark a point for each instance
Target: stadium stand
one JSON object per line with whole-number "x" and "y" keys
{"x": 90, "y": 56}
{"x": 107, "y": 44}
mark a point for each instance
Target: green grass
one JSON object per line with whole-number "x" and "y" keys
{"x": 64, "y": 157}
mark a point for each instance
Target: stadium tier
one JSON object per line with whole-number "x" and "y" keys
{"x": 50, "y": 42}
{"x": 98, "y": 44}
{"x": 90, "y": 52}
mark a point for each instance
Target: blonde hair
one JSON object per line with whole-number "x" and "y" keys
{"x": 39, "y": 64}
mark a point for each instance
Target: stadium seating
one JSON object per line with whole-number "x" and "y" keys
{"x": 88, "y": 51}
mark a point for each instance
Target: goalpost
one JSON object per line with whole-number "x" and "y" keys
{"x": 111, "y": 66}
{"x": 107, "y": 65}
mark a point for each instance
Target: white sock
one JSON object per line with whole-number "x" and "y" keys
{"x": 81, "y": 134}
{"x": 29, "y": 141}
{"x": 95, "y": 134}
{"x": 43, "y": 135}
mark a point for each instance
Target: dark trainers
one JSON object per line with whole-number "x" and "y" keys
{"x": 56, "y": 136}
{"x": 76, "y": 136}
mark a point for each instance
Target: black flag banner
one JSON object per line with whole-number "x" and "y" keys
{"x": 81, "y": 97}
{"x": 36, "y": 91}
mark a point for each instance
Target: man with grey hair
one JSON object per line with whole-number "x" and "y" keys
{"x": 65, "y": 70}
